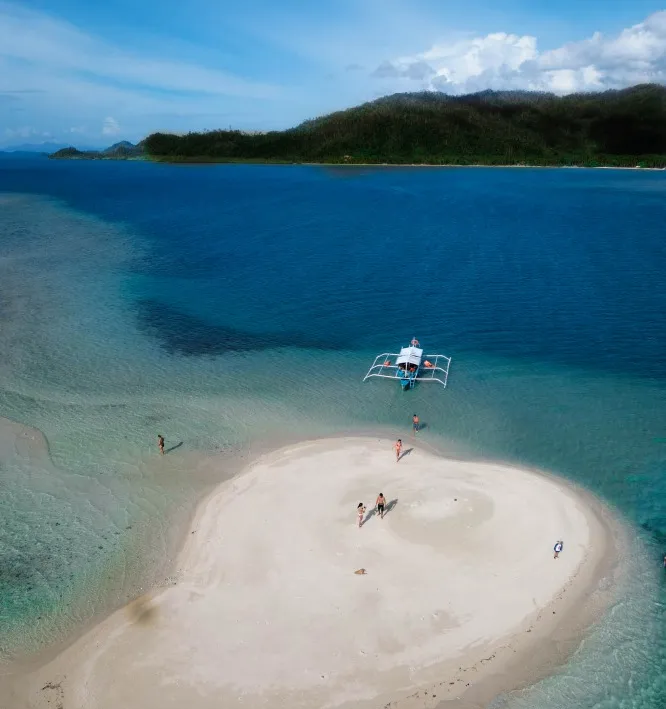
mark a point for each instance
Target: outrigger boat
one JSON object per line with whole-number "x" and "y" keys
{"x": 410, "y": 366}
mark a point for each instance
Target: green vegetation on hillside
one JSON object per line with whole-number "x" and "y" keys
{"x": 615, "y": 128}
{"x": 74, "y": 154}
{"x": 118, "y": 151}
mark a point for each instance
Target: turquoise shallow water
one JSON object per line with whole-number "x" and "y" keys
{"x": 223, "y": 306}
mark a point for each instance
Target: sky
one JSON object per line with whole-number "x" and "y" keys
{"x": 91, "y": 73}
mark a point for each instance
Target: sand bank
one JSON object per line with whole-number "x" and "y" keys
{"x": 266, "y": 610}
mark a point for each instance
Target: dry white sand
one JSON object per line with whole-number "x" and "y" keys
{"x": 266, "y": 610}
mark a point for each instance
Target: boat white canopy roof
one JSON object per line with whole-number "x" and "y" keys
{"x": 410, "y": 355}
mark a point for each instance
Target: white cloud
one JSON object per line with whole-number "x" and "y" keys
{"x": 508, "y": 61}
{"x": 55, "y": 45}
{"x": 110, "y": 126}
{"x": 26, "y": 132}
{"x": 51, "y": 70}
{"x": 55, "y": 76}
{"x": 408, "y": 69}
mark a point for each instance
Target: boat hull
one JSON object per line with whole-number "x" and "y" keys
{"x": 407, "y": 381}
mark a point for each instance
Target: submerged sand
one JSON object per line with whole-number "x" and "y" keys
{"x": 266, "y": 610}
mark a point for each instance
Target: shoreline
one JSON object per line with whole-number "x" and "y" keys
{"x": 599, "y": 562}
{"x": 579, "y": 606}
{"x": 212, "y": 471}
{"x": 222, "y": 161}
{"x": 206, "y": 161}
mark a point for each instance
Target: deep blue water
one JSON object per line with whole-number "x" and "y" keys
{"x": 556, "y": 265}
{"x": 226, "y": 304}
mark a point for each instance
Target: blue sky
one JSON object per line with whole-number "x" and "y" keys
{"x": 91, "y": 73}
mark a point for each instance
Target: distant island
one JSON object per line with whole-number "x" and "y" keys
{"x": 124, "y": 150}
{"x": 625, "y": 128}
{"x": 32, "y": 148}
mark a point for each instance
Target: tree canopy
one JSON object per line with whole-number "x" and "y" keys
{"x": 626, "y": 127}
{"x": 118, "y": 151}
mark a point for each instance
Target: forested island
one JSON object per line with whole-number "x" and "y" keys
{"x": 615, "y": 128}
{"x": 124, "y": 150}
{"x": 625, "y": 128}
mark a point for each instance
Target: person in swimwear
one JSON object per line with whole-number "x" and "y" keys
{"x": 398, "y": 449}
{"x": 557, "y": 549}
{"x": 380, "y": 503}
{"x": 428, "y": 364}
{"x": 414, "y": 342}
{"x": 160, "y": 444}
{"x": 360, "y": 511}
{"x": 415, "y": 423}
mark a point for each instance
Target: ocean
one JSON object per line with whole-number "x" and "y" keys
{"x": 230, "y": 307}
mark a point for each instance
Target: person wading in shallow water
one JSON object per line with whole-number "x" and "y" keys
{"x": 415, "y": 423}
{"x": 398, "y": 449}
{"x": 160, "y": 444}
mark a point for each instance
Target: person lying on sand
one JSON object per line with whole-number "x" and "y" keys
{"x": 360, "y": 510}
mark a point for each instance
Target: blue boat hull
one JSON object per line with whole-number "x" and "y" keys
{"x": 407, "y": 381}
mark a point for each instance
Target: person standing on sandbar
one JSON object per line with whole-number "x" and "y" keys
{"x": 415, "y": 424}
{"x": 398, "y": 449}
{"x": 380, "y": 504}
{"x": 360, "y": 511}
{"x": 160, "y": 444}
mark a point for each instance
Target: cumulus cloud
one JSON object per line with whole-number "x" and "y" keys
{"x": 509, "y": 61}
{"x": 110, "y": 126}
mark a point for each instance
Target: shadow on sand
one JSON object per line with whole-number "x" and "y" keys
{"x": 173, "y": 448}
{"x": 404, "y": 453}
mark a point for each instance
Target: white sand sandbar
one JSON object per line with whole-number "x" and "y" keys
{"x": 267, "y": 611}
